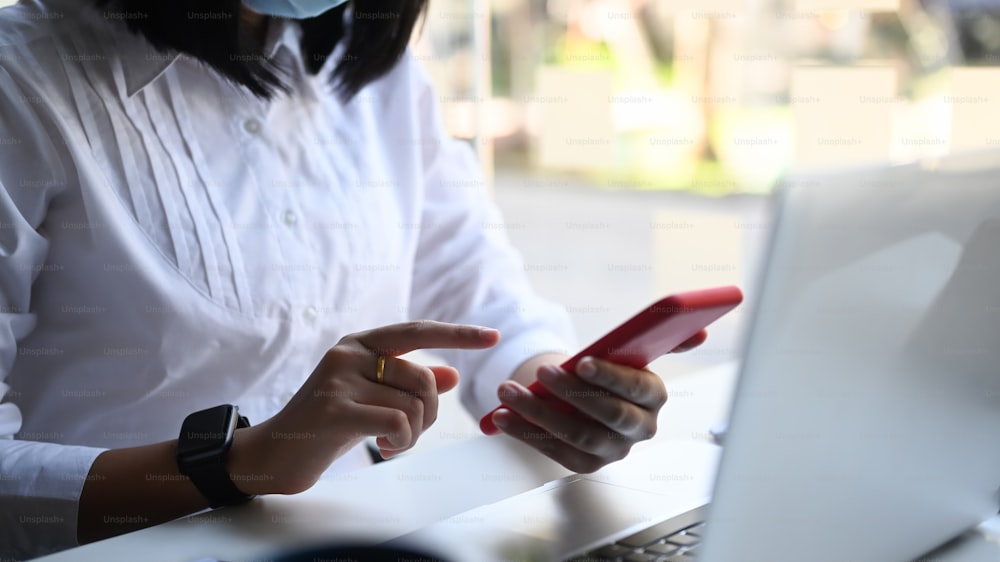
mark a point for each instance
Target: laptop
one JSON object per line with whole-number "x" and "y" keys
{"x": 865, "y": 421}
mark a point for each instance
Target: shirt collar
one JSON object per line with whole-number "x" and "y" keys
{"x": 142, "y": 64}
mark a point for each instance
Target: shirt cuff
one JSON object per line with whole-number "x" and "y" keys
{"x": 480, "y": 396}
{"x": 40, "y": 486}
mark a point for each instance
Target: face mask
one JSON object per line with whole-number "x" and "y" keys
{"x": 295, "y": 9}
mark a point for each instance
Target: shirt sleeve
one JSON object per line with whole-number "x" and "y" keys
{"x": 466, "y": 269}
{"x": 40, "y": 483}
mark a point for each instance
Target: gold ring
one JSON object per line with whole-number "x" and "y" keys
{"x": 380, "y": 369}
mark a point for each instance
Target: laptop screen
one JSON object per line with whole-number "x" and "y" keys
{"x": 868, "y": 406}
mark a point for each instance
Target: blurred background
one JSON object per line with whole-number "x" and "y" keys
{"x": 712, "y": 97}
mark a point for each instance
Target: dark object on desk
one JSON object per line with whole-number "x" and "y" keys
{"x": 362, "y": 553}
{"x": 373, "y": 452}
{"x": 718, "y": 433}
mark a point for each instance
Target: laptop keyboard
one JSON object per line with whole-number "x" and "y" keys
{"x": 674, "y": 540}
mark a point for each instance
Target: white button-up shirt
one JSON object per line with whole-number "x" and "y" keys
{"x": 169, "y": 242}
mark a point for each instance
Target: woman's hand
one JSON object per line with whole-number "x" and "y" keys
{"x": 342, "y": 403}
{"x": 617, "y": 407}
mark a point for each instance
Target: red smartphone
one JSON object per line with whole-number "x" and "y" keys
{"x": 656, "y": 330}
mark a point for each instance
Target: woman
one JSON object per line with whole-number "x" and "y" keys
{"x": 208, "y": 205}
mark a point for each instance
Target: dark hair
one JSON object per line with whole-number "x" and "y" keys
{"x": 377, "y": 36}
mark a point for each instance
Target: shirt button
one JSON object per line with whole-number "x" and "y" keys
{"x": 310, "y": 314}
{"x": 252, "y": 126}
{"x": 290, "y": 217}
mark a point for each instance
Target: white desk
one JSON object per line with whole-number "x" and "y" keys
{"x": 412, "y": 491}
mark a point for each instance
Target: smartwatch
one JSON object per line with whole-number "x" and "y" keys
{"x": 205, "y": 439}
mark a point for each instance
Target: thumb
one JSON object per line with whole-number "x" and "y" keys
{"x": 692, "y": 342}
{"x": 445, "y": 377}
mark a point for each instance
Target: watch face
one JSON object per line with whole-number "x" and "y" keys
{"x": 207, "y": 430}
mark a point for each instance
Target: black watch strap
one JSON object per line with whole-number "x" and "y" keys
{"x": 213, "y": 481}
{"x": 209, "y": 474}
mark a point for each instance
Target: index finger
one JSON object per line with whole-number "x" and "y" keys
{"x": 397, "y": 339}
